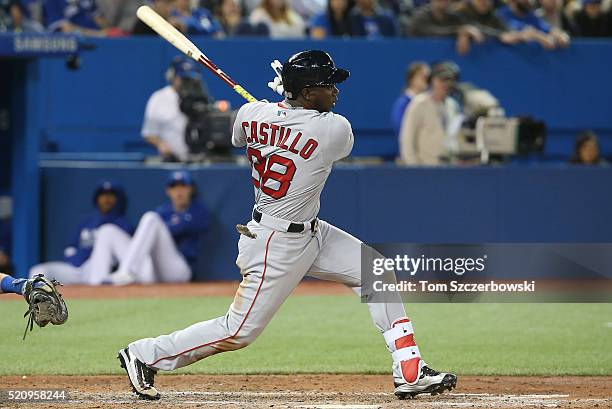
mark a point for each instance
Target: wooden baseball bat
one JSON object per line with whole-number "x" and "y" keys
{"x": 177, "y": 39}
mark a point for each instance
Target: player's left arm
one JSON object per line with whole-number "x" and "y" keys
{"x": 238, "y": 135}
{"x": 340, "y": 141}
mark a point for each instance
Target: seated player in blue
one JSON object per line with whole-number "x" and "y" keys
{"x": 88, "y": 248}
{"x": 74, "y": 16}
{"x": 196, "y": 21}
{"x": 166, "y": 242}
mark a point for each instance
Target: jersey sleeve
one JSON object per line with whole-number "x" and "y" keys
{"x": 238, "y": 135}
{"x": 152, "y": 125}
{"x": 340, "y": 141}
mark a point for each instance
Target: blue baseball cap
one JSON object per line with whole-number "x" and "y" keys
{"x": 179, "y": 177}
{"x": 184, "y": 68}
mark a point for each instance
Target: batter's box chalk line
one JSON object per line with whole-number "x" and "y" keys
{"x": 348, "y": 406}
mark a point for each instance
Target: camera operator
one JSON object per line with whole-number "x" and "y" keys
{"x": 172, "y": 110}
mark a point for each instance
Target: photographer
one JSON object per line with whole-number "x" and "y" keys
{"x": 171, "y": 109}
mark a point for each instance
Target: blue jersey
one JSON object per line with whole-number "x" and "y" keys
{"x": 201, "y": 21}
{"x": 381, "y": 24}
{"x": 518, "y": 23}
{"x": 398, "y": 111}
{"x": 321, "y": 20}
{"x": 186, "y": 228}
{"x": 80, "y": 246}
{"x": 78, "y": 12}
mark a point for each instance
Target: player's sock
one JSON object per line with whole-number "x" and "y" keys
{"x": 12, "y": 285}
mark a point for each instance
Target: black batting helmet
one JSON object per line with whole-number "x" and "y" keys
{"x": 311, "y": 68}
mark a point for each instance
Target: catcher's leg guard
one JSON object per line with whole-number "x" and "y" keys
{"x": 411, "y": 375}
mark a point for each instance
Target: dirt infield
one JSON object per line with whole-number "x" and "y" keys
{"x": 217, "y": 288}
{"x": 318, "y": 391}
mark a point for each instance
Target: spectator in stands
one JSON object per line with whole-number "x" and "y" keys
{"x": 33, "y": 10}
{"x": 307, "y": 9}
{"x": 164, "y": 122}
{"x": 13, "y": 18}
{"x": 591, "y": 21}
{"x": 334, "y": 22}
{"x": 75, "y": 16}
{"x": 586, "y": 151}
{"x": 5, "y": 247}
{"x": 370, "y": 20}
{"x": 166, "y": 243}
{"x": 280, "y": 18}
{"x": 481, "y": 14}
{"x": 551, "y": 11}
{"x": 10, "y": 15}
{"x": 163, "y": 8}
{"x": 199, "y": 21}
{"x": 120, "y": 13}
{"x": 437, "y": 20}
{"x": 518, "y": 16}
{"x": 249, "y": 5}
{"x": 229, "y": 15}
{"x": 416, "y": 81}
{"x": 87, "y": 247}
{"x": 427, "y": 135}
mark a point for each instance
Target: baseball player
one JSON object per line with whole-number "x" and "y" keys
{"x": 292, "y": 146}
{"x": 88, "y": 248}
{"x": 166, "y": 242}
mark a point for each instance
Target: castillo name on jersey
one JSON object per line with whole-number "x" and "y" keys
{"x": 279, "y": 136}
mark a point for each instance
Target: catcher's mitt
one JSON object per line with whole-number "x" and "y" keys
{"x": 46, "y": 303}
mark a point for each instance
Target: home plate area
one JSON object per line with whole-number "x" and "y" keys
{"x": 320, "y": 391}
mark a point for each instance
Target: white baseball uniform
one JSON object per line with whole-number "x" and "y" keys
{"x": 148, "y": 257}
{"x": 109, "y": 245}
{"x": 292, "y": 151}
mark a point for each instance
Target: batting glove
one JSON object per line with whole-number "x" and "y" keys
{"x": 277, "y": 84}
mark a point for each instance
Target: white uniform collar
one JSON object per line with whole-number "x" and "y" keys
{"x": 285, "y": 105}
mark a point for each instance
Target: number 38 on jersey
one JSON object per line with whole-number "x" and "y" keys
{"x": 275, "y": 167}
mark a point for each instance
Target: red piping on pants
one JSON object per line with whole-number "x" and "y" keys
{"x": 263, "y": 276}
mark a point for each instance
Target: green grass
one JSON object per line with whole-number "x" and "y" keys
{"x": 331, "y": 334}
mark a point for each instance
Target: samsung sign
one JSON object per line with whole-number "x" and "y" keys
{"x": 27, "y": 44}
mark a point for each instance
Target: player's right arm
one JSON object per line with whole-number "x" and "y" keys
{"x": 239, "y": 137}
{"x": 74, "y": 253}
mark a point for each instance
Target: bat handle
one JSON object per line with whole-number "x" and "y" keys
{"x": 244, "y": 93}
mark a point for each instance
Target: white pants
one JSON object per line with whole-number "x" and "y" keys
{"x": 272, "y": 265}
{"x": 152, "y": 255}
{"x": 109, "y": 248}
